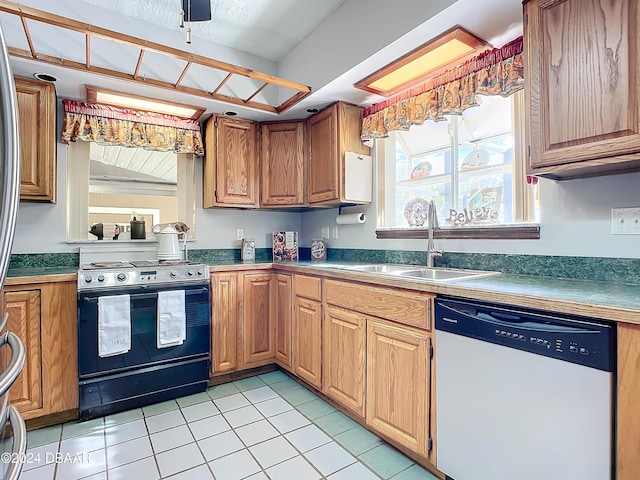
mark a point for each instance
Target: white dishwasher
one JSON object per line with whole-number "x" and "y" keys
{"x": 522, "y": 395}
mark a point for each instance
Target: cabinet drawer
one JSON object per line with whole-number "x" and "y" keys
{"x": 411, "y": 308}
{"x": 307, "y": 287}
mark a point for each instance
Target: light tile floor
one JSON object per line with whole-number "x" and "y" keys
{"x": 264, "y": 427}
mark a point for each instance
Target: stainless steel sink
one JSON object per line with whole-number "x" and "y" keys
{"x": 443, "y": 274}
{"x": 416, "y": 272}
{"x": 380, "y": 268}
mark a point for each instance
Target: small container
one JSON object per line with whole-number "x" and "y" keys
{"x": 248, "y": 250}
{"x": 138, "y": 229}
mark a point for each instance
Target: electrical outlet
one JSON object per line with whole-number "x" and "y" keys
{"x": 625, "y": 221}
{"x": 324, "y": 232}
{"x": 239, "y": 233}
{"x": 334, "y": 233}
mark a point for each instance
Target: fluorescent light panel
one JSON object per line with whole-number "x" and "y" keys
{"x": 136, "y": 102}
{"x": 439, "y": 54}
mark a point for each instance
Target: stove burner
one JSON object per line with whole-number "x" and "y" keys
{"x": 108, "y": 265}
{"x": 160, "y": 263}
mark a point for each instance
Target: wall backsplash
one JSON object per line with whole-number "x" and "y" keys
{"x": 618, "y": 270}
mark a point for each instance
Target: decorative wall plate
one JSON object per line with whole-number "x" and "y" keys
{"x": 318, "y": 250}
{"x": 422, "y": 169}
{"x": 416, "y": 212}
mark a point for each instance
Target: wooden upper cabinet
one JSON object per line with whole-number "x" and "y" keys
{"x": 282, "y": 159}
{"x": 230, "y": 173}
{"x": 582, "y": 86}
{"x": 330, "y": 134}
{"x": 37, "y": 123}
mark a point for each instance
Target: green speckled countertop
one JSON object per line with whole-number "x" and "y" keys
{"x": 39, "y": 271}
{"x": 604, "y": 300}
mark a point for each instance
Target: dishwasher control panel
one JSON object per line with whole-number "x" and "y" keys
{"x": 580, "y": 340}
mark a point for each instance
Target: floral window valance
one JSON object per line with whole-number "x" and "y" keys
{"x": 107, "y": 125}
{"x": 495, "y": 72}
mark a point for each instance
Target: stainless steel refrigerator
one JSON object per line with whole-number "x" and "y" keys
{"x": 14, "y": 447}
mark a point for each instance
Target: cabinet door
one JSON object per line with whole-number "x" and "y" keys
{"x": 583, "y": 85}
{"x": 344, "y": 338}
{"x": 224, "y": 317}
{"x": 23, "y": 308}
{"x": 628, "y": 392}
{"x": 398, "y": 384}
{"x": 257, "y": 328}
{"x": 307, "y": 328}
{"x": 37, "y": 123}
{"x": 323, "y": 156}
{"x": 230, "y": 165}
{"x": 282, "y": 320}
{"x": 282, "y": 164}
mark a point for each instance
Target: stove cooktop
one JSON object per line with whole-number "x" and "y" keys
{"x": 136, "y": 263}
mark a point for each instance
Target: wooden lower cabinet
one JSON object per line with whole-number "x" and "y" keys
{"x": 44, "y": 316}
{"x": 307, "y": 338}
{"x": 398, "y": 376}
{"x": 224, "y": 321}
{"x": 344, "y": 358}
{"x": 258, "y": 345}
{"x": 23, "y": 308}
{"x": 628, "y": 419}
{"x": 282, "y": 310}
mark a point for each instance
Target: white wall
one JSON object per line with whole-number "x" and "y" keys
{"x": 575, "y": 221}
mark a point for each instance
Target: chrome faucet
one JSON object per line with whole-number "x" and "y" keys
{"x": 433, "y": 223}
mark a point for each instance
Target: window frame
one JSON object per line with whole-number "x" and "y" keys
{"x": 523, "y": 207}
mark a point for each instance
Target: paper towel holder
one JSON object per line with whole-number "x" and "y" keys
{"x": 350, "y": 218}
{"x": 344, "y": 205}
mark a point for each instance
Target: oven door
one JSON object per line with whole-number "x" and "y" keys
{"x": 144, "y": 351}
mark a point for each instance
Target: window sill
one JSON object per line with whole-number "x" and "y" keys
{"x": 501, "y": 232}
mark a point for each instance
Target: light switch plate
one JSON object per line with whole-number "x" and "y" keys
{"x": 324, "y": 232}
{"x": 625, "y": 221}
{"x": 334, "y": 233}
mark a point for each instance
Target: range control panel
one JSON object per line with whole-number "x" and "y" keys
{"x": 161, "y": 275}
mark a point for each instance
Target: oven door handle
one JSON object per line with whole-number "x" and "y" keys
{"x": 141, "y": 296}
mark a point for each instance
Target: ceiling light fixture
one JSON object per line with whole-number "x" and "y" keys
{"x": 45, "y": 77}
{"x": 104, "y": 96}
{"x": 194, "y": 11}
{"x": 446, "y": 51}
